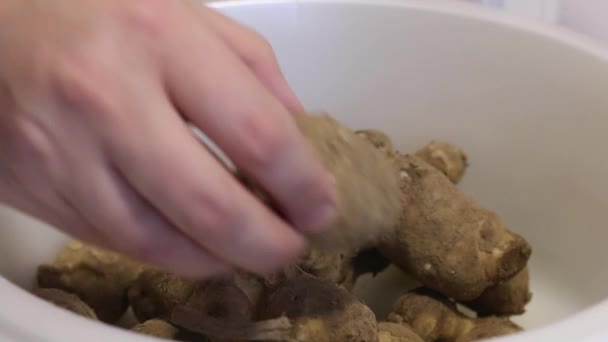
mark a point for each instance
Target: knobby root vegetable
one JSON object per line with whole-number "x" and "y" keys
{"x": 447, "y": 240}
{"x": 66, "y": 301}
{"x": 508, "y": 297}
{"x": 343, "y": 267}
{"x": 366, "y": 184}
{"x": 157, "y": 328}
{"x": 165, "y": 330}
{"x": 436, "y": 319}
{"x": 155, "y": 294}
{"x": 378, "y": 139}
{"x": 302, "y": 308}
{"x": 445, "y": 157}
{"x": 332, "y": 266}
{"x": 395, "y": 332}
{"x": 97, "y": 276}
{"x": 321, "y": 311}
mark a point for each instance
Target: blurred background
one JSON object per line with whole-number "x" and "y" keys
{"x": 589, "y": 17}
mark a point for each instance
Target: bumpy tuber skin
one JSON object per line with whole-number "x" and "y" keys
{"x": 165, "y": 330}
{"x": 97, "y": 276}
{"x": 436, "y": 319}
{"x": 66, "y": 301}
{"x": 395, "y": 332}
{"x": 445, "y": 157}
{"x": 333, "y": 266}
{"x": 157, "y": 328}
{"x": 378, "y": 139}
{"x": 155, "y": 293}
{"x": 507, "y": 298}
{"x": 367, "y": 186}
{"x": 300, "y": 308}
{"x": 448, "y": 241}
{"x": 321, "y": 311}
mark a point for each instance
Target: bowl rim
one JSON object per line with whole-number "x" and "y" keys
{"x": 16, "y": 324}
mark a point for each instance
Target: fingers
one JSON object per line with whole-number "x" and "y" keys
{"x": 226, "y": 100}
{"x": 170, "y": 168}
{"x": 130, "y": 225}
{"x": 257, "y": 53}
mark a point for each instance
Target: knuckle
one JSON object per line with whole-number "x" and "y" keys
{"x": 263, "y": 140}
{"x": 76, "y": 83}
{"x": 210, "y": 215}
{"x": 260, "y": 50}
{"x": 149, "y": 16}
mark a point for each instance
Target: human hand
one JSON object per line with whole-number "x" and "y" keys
{"x": 95, "y": 96}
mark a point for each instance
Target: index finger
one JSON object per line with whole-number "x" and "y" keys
{"x": 217, "y": 92}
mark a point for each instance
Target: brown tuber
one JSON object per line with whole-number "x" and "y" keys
{"x": 155, "y": 293}
{"x": 321, "y": 311}
{"x": 378, "y": 139}
{"x": 447, "y": 240}
{"x": 301, "y": 308}
{"x": 99, "y": 277}
{"x": 66, "y": 301}
{"x": 445, "y": 157}
{"x": 157, "y": 328}
{"x": 509, "y": 297}
{"x": 437, "y": 319}
{"x": 394, "y": 332}
{"x": 366, "y": 184}
{"x": 162, "y": 329}
{"x": 333, "y": 266}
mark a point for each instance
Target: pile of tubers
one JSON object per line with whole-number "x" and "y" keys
{"x": 393, "y": 208}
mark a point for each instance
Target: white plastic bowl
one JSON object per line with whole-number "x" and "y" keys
{"x": 528, "y": 103}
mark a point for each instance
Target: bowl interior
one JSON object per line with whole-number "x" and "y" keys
{"x": 528, "y": 106}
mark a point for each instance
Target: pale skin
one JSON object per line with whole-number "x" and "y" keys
{"x": 94, "y": 100}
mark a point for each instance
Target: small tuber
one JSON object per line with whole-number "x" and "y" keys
{"x": 301, "y": 308}
{"x": 394, "y": 332}
{"x": 445, "y": 157}
{"x": 436, "y": 319}
{"x": 321, "y": 311}
{"x": 508, "y": 297}
{"x": 97, "y": 276}
{"x": 165, "y": 330}
{"x": 155, "y": 293}
{"x": 66, "y": 301}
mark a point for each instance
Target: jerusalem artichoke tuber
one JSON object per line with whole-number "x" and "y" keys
{"x": 436, "y": 319}
{"x": 97, "y": 276}
{"x": 394, "y": 332}
{"x": 448, "y": 241}
{"x": 66, "y": 300}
